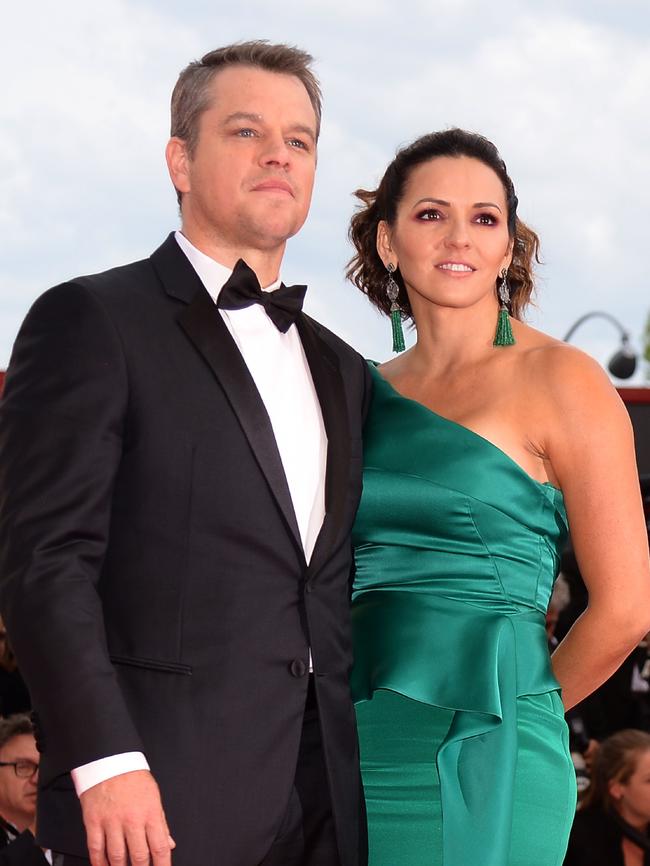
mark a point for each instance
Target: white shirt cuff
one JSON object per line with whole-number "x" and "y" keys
{"x": 91, "y": 774}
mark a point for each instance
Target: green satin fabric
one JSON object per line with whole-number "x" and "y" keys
{"x": 456, "y": 551}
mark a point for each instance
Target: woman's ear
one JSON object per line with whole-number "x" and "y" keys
{"x": 384, "y": 249}
{"x": 615, "y": 790}
{"x": 507, "y": 261}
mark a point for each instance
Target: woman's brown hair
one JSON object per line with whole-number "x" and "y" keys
{"x": 366, "y": 269}
{"x": 616, "y": 760}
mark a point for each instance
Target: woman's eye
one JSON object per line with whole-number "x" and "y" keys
{"x": 430, "y": 214}
{"x": 486, "y": 219}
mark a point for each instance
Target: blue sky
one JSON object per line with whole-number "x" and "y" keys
{"x": 562, "y": 89}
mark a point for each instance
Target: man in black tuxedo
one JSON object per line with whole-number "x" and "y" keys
{"x": 178, "y": 481}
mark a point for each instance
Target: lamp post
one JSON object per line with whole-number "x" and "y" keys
{"x": 623, "y": 363}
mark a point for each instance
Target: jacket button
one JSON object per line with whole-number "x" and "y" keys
{"x": 298, "y": 668}
{"x": 309, "y": 586}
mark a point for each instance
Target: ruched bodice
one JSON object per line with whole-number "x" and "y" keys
{"x": 445, "y": 510}
{"x": 456, "y": 551}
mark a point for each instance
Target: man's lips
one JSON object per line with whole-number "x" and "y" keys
{"x": 273, "y": 185}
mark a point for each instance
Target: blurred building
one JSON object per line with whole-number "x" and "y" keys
{"x": 637, "y": 401}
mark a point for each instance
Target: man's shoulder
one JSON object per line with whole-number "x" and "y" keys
{"x": 119, "y": 277}
{"x": 118, "y": 287}
{"x": 122, "y": 291}
{"x": 342, "y": 349}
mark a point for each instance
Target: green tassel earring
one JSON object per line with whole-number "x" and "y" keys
{"x": 392, "y": 290}
{"x": 504, "y": 335}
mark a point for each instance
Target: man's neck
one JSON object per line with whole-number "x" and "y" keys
{"x": 265, "y": 263}
{"x": 16, "y": 821}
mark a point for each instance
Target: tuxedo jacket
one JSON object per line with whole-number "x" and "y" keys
{"x": 153, "y": 580}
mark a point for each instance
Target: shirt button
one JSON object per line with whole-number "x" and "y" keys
{"x": 298, "y": 668}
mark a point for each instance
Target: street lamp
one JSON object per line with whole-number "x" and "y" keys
{"x": 623, "y": 363}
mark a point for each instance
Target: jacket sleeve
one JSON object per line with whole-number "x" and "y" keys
{"x": 367, "y": 392}
{"x": 61, "y": 433}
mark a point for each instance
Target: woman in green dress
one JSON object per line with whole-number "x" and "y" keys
{"x": 484, "y": 442}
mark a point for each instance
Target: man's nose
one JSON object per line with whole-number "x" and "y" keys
{"x": 276, "y": 151}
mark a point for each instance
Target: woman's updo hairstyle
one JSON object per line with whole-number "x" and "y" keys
{"x": 366, "y": 269}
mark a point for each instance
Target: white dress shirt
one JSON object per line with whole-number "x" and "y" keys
{"x": 279, "y": 368}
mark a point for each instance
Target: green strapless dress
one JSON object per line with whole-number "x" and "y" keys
{"x": 464, "y": 748}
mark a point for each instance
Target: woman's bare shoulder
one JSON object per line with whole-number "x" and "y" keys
{"x": 559, "y": 366}
{"x": 572, "y": 387}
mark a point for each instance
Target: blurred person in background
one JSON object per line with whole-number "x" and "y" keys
{"x": 14, "y": 697}
{"x": 611, "y": 827}
{"x": 18, "y": 782}
{"x": 560, "y": 599}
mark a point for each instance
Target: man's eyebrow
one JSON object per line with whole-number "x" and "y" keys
{"x": 243, "y": 115}
{"x": 306, "y": 130}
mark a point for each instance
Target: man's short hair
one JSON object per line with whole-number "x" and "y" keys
{"x": 15, "y": 726}
{"x": 191, "y": 95}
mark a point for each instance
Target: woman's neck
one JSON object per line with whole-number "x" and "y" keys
{"x": 639, "y": 822}
{"x": 451, "y": 338}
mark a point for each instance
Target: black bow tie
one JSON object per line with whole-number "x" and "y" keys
{"x": 243, "y": 289}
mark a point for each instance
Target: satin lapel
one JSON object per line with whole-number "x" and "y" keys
{"x": 174, "y": 270}
{"x": 328, "y": 382}
{"x": 206, "y": 329}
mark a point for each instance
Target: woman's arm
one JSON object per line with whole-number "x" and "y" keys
{"x": 590, "y": 446}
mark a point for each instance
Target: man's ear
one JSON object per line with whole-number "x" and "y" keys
{"x": 178, "y": 164}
